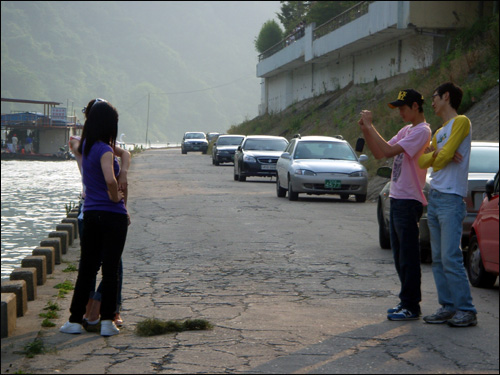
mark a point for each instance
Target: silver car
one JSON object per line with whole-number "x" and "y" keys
{"x": 482, "y": 167}
{"x": 321, "y": 165}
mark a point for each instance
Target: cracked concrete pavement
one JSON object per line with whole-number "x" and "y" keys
{"x": 290, "y": 287}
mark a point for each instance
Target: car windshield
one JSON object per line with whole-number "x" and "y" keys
{"x": 265, "y": 144}
{"x": 195, "y": 136}
{"x": 225, "y": 141}
{"x": 483, "y": 160}
{"x": 324, "y": 150}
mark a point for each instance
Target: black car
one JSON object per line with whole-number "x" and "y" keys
{"x": 257, "y": 156}
{"x": 224, "y": 148}
{"x": 194, "y": 141}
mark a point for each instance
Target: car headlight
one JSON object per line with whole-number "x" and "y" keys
{"x": 358, "y": 174}
{"x": 249, "y": 159}
{"x": 305, "y": 172}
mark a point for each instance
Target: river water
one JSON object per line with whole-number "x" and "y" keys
{"x": 34, "y": 195}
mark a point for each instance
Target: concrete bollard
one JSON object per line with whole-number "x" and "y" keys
{"x": 18, "y": 287}
{"x": 63, "y": 236}
{"x": 9, "y": 311}
{"x": 39, "y": 262}
{"x": 27, "y": 274}
{"x": 50, "y": 254}
{"x": 68, "y": 227}
{"x": 54, "y": 242}
{"x": 74, "y": 222}
{"x": 73, "y": 215}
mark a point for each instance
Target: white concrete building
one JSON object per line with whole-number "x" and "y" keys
{"x": 373, "y": 40}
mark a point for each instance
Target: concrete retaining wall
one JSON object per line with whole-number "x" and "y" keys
{"x": 21, "y": 288}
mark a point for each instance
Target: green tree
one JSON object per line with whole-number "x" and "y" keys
{"x": 292, "y": 13}
{"x": 322, "y": 11}
{"x": 269, "y": 35}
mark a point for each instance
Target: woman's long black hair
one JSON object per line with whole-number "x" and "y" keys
{"x": 101, "y": 125}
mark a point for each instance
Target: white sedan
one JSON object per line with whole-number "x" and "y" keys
{"x": 321, "y": 165}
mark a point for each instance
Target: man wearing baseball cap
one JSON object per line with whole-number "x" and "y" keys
{"x": 407, "y": 198}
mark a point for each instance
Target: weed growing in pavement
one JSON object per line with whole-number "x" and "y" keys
{"x": 153, "y": 326}
{"x": 53, "y": 306}
{"x": 49, "y": 315}
{"x": 34, "y": 348}
{"x": 71, "y": 268}
{"x": 64, "y": 288}
{"x": 48, "y": 323}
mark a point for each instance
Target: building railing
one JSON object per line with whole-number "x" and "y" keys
{"x": 342, "y": 19}
{"x": 282, "y": 43}
{"x": 333, "y": 24}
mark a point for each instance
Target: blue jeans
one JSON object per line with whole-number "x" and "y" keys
{"x": 404, "y": 217}
{"x": 445, "y": 215}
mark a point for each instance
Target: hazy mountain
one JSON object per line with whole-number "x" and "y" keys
{"x": 196, "y": 60}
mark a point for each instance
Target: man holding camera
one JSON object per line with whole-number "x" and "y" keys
{"x": 407, "y": 198}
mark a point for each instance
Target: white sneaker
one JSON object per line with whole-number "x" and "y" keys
{"x": 108, "y": 328}
{"x": 73, "y": 328}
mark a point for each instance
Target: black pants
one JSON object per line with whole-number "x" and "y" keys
{"x": 103, "y": 239}
{"x": 405, "y": 215}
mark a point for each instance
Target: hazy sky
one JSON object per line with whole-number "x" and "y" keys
{"x": 198, "y": 53}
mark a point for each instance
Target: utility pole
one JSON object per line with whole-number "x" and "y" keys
{"x": 147, "y": 122}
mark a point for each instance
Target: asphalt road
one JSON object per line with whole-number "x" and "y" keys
{"x": 291, "y": 287}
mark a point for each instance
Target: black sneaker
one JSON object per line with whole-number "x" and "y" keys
{"x": 399, "y": 307}
{"x": 440, "y": 316}
{"x": 403, "y": 314}
{"x": 96, "y": 327}
{"x": 395, "y": 309}
{"x": 463, "y": 319}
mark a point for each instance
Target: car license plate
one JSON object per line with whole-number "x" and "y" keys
{"x": 268, "y": 167}
{"x": 332, "y": 184}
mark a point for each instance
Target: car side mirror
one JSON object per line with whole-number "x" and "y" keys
{"x": 239, "y": 148}
{"x": 286, "y": 155}
{"x": 385, "y": 172}
{"x": 490, "y": 188}
{"x": 363, "y": 158}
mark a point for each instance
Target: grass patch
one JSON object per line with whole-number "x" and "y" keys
{"x": 51, "y": 314}
{"x": 70, "y": 268}
{"x": 34, "y": 348}
{"x": 47, "y": 323}
{"x": 153, "y": 326}
{"x": 64, "y": 288}
{"x": 53, "y": 306}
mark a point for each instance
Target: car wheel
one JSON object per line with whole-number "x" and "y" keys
{"x": 183, "y": 151}
{"x": 384, "y": 238}
{"x": 292, "y": 196}
{"x": 216, "y": 162}
{"x": 360, "y": 198}
{"x": 241, "y": 178}
{"x": 280, "y": 192}
{"x": 478, "y": 276}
